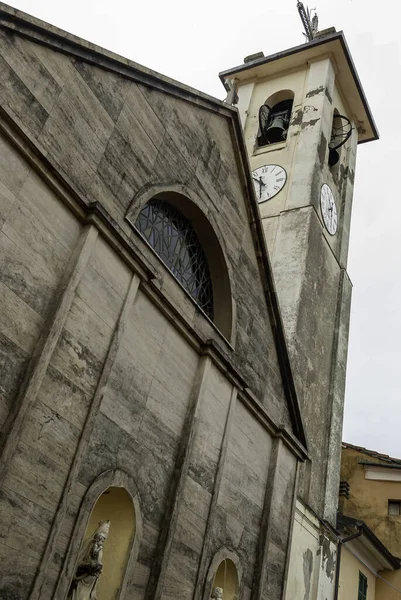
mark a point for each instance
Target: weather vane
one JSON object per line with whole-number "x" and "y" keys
{"x": 309, "y": 20}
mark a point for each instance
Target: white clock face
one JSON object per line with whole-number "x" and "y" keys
{"x": 329, "y": 209}
{"x": 268, "y": 181}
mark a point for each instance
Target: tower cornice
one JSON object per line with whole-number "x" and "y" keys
{"x": 333, "y": 44}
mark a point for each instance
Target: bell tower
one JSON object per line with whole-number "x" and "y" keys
{"x": 303, "y": 112}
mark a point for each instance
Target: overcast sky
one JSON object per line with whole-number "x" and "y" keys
{"x": 192, "y": 42}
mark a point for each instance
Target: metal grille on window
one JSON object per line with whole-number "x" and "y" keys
{"x": 172, "y": 237}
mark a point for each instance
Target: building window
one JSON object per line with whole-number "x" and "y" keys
{"x": 394, "y": 507}
{"x": 174, "y": 240}
{"x": 362, "y": 587}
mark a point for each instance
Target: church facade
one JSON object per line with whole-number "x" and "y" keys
{"x": 174, "y": 325}
{"x": 151, "y": 432}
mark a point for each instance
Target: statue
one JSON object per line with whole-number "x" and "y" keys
{"x": 217, "y": 593}
{"x": 89, "y": 568}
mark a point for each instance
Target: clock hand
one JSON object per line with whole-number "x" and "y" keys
{"x": 261, "y": 184}
{"x": 331, "y": 213}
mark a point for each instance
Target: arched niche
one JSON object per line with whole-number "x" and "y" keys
{"x": 112, "y": 496}
{"x": 115, "y": 505}
{"x": 210, "y": 238}
{"x": 224, "y": 572}
{"x": 226, "y": 578}
{"x": 276, "y": 117}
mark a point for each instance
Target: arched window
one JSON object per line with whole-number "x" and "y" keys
{"x": 174, "y": 240}
{"x": 274, "y": 118}
{"x": 341, "y": 131}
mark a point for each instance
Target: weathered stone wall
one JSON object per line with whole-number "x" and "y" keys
{"x": 309, "y": 264}
{"x": 108, "y": 365}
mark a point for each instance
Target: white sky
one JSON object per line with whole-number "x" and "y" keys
{"x": 192, "y": 42}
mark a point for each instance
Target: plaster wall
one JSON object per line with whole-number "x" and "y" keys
{"x": 312, "y": 559}
{"x": 350, "y": 568}
{"x": 108, "y": 364}
{"x": 390, "y": 588}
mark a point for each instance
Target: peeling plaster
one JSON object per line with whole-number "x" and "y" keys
{"x": 322, "y": 150}
{"x": 327, "y": 94}
{"x": 308, "y": 568}
{"x": 297, "y": 120}
{"x": 316, "y": 91}
{"x": 328, "y": 558}
{"x": 350, "y": 174}
{"x": 310, "y": 123}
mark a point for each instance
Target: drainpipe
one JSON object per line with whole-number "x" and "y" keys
{"x": 340, "y": 544}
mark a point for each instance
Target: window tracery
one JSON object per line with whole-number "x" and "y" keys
{"x": 174, "y": 240}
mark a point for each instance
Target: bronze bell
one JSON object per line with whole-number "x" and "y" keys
{"x": 277, "y": 130}
{"x": 274, "y": 122}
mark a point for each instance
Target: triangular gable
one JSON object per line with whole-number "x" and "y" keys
{"x": 87, "y": 133}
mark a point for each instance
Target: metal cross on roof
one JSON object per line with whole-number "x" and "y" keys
{"x": 309, "y": 20}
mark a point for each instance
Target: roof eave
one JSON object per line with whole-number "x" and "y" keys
{"x": 371, "y": 541}
{"x": 39, "y": 31}
{"x": 319, "y": 41}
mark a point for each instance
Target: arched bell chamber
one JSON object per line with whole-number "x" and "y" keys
{"x": 340, "y": 132}
{"x": 274, "y": 122}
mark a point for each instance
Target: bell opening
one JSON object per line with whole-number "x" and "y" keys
{"x": 333, "y": 157}
{"x": 274, "y": 122}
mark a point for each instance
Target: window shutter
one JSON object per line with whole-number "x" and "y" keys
{"x": 363, "y": 587}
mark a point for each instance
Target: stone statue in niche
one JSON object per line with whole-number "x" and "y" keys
{"x": 217, "y": 593}
{"x": 83, "y": 586}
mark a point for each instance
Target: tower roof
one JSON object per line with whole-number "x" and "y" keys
{"x": 331, "y": 44}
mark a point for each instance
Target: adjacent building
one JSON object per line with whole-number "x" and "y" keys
{"x": 371, "y": 498}
{"x": 363, "y": 562}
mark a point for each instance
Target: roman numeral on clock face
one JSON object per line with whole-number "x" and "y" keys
{"x": 268, "y": 181}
